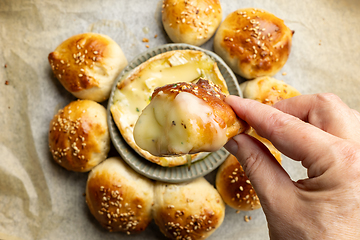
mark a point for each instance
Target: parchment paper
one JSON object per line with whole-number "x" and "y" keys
{"x": 41, "y": 200}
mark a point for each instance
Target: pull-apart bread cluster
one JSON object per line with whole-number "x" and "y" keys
{"x": 185, "y": 118}
{"x": 122, "y": 200}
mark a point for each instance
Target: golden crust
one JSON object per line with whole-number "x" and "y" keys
{"x": 268, "y": 90}
{"x": 253, "y": 42}
{"x": 87, "y": 65}
{"x": 78, "y": 136}
{"x": 119, "y": 199}
{"x": 127, "y": 131}
{"x": 211, "y": 94}
{"x": 234, "y": 186}
{"x": 194, "y": 209}
{"x": 193, "y": 22}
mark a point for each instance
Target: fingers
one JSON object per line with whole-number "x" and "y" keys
{"x": 263, "y": 170}
{"x": 325, "y": 111}
{"x": 293, "y": 137}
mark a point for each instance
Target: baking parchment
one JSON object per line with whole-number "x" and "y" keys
{"x": 41, "y": 200}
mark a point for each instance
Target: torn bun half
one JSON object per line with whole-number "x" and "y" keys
{"x": 186, "y": 118}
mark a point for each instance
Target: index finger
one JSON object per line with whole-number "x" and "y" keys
{"x": 297, "y": 139}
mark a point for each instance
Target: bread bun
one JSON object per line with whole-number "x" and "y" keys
{"x": 234, "y": 186}
{"x": 119, "y": 198}
{"x": 87, "y": 65}
{"x": 186, "y": 118}
{"x": 193, "y": 22}
{"x": 78, "y": 136}
{"x": 268, "y": 90}
{"x": 192, "y": 210}
{"x": 253, "y": 42}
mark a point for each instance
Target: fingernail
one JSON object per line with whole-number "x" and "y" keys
{"x": 232, "y": 146}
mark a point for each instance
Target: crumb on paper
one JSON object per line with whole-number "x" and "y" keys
{"x": 284, "y": 73}
{"x": 155, "y": 36}
{"x": 147, "y": 46}
{"x": 238, "y": 211}
{"x": 5, "y": 66}
{"x": 247, "y": 218}
{"x": 145, "y": 40}
{"x": 6, "y": 82}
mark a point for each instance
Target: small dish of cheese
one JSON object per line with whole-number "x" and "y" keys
{"x": 167, "y": 64}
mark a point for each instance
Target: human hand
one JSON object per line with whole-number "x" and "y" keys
{"x": 324, "y": 134}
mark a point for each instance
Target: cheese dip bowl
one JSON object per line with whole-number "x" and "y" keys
{"x": 132, "y": 92}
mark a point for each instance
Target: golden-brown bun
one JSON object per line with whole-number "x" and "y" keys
{"x": 193, "y": 22}
{"x": 192, "y": 210}
{"x": 268, "y": 90}
{"x": 78, "y": 136}
{"x": 253, "y": 42}
{"x": 186, "y": 118}
{"x": 87, "y": 65}
{"x": 119, "y": 198}
{"x": 234, "y": 186}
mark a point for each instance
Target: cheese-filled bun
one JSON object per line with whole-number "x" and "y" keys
{"x": 253, "y": 42}
{"x": 193, "y": 22}
{"x": 78, "y": 135}
{"x": 119, "y": 198}
{"x": 268, "y": 90}
{"x": 185, "y": 118}
{"x": 87, "y": 65}
{"x": 191, "y": 210}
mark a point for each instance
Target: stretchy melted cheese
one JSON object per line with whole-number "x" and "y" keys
{"x": 134, "y": 91}
{"x": 186, "y": 118}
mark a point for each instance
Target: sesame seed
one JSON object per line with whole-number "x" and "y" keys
{"x": 248, "y": 181}
{"x": 96, "y": 52}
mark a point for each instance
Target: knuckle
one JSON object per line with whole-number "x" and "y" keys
{"x": 328, "y": 98}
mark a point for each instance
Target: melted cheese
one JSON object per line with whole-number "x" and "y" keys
{"x": 176, "y": 126}
{"x": 133, "y": 97}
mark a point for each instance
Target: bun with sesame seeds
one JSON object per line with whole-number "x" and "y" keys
{"x": 191, "y": 210}
{"x": 234, "y": 186}
{"x": 119, "y": 198}
{"x": 191, "y": 21}
{"x": 253, "y": 42}
{"x": 87, "y": 65}
{"x": 186, "y": 118}
{"x": 268, "y": 90}
{"x": 79, "y": 138}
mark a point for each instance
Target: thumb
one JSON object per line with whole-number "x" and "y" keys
{"x": 271, "y": 182}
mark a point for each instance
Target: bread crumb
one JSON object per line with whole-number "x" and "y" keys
{"x": 147, "y": 46}
{"x": 5, "y": 66}
{"x": 246, "y": 218}
{"x": 145, "y": 40}
{"x": 6, "y": 82}
{"x": 284, "y": 73}
{"x": 238, "y": 211}
{"x": 155, "y": 36}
